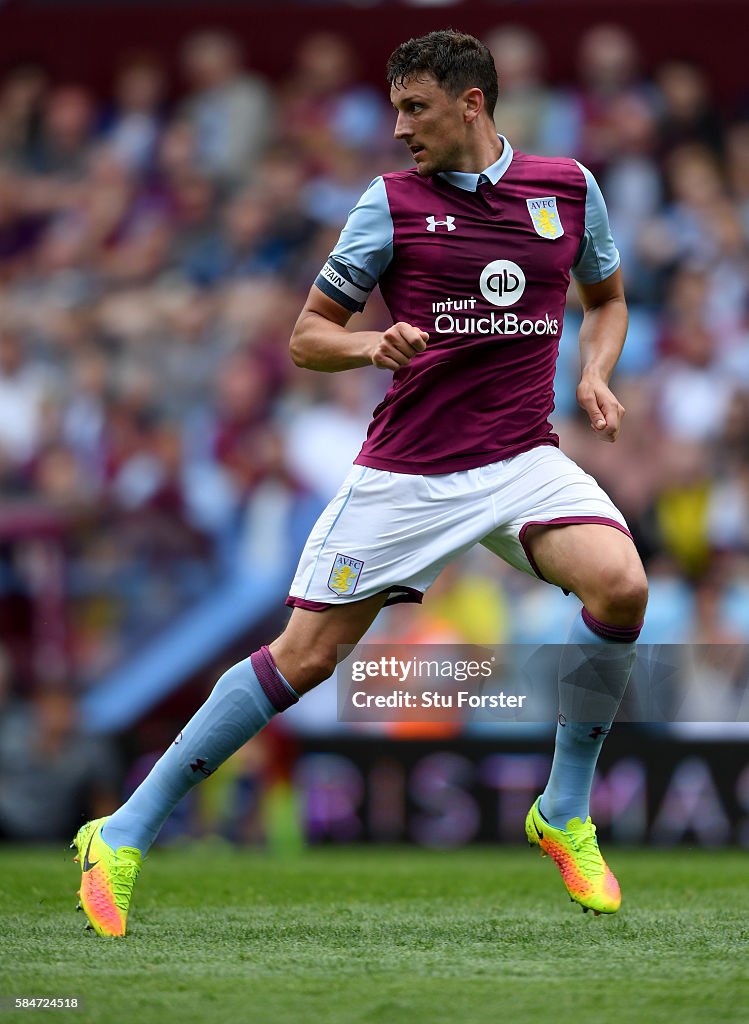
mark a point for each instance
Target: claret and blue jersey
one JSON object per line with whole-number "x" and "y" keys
{"x": 481, "y": 262}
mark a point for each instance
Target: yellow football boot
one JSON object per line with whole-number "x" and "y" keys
{"x": 574, "y": 850}
{"x": 107, "y": 879}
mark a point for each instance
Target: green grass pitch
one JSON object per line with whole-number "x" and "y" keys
{"x": 382, "y": 936}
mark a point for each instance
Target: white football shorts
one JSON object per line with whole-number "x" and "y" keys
{"x": 395, "y": 532}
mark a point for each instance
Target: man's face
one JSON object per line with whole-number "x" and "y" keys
{"x": 431, "y": 123}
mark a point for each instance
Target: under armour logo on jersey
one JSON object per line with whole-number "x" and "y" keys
{"x": 433, "y": 223}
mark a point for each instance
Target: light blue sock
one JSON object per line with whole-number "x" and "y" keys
{"x": 593, "y": 675}
{"x": 236, "y": 709}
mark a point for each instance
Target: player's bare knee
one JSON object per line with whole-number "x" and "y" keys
{"x": 624, "y": 594}
{"x": 305, "y": 665}
{"x": 632, "y": 599}
{"x": 318, "y": 665}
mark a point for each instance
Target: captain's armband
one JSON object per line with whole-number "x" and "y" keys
{"x": 335, "y": 281}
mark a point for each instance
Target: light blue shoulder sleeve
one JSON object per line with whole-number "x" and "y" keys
{"x": 597, "y": 258}
{"x": 363, "y": 251}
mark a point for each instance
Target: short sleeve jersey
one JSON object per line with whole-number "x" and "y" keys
{"x": 482, "y": 263}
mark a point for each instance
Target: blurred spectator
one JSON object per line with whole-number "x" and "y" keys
{"x": 324, "y": 438}
{"x": 19, "y": 228}
{"x": 128, "y": 230}
{"x": 244, "y": 247}
{"x": 693, "y": 389}
{"x": 728, "y": 510}
{"x": 687, "y": 113}
{"x": 533, "y": 116}
{"x": 230, "y": 111}
{"x": 84, "y": 418}
{"x": 321, "y": 105}
{"x": 22, "y": 394}
{"x": 609, "y": 69}
{"x": 714, "y": 672}
{"x": 53, "y": 776}
{"x": 737, "y": 153}
{"x": 687, "y": 230}
{"x": 681, "y": 507}
{"x": 281, "y": 177}
{"x": 191, "y": 199}
{"x": 632, "y": 184}
{"x": 344, "y": 175}
{"x": 66, "y": 133}
{"x": 22, "y": 93}
{"x": 135, "y": 122}
{"x": 242, "y": 403}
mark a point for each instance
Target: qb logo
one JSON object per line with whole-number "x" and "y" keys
{"x": 433, "y": 223}
{"x": 502, "y": 282}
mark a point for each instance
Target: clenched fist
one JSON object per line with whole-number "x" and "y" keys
{"x": 398, "y": 345}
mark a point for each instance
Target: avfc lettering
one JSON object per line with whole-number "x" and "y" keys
{"x": 344, "y": 576}
{"x": 545, "y": 216}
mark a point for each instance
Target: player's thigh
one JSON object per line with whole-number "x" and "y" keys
{"x": 391, "y": 532}
{"x": 306, "y": 652}
{"x": 597, "y": 562}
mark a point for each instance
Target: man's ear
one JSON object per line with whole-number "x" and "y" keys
{"x": 473, "y": 100}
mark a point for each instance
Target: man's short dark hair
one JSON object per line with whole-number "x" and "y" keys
{"x": 456, "y": 60}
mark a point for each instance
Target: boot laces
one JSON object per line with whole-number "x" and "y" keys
{"x": 123, "y": 878}
{"x": 585, "y": 845}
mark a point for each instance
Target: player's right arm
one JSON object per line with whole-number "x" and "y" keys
{"x": 321, "y": 339}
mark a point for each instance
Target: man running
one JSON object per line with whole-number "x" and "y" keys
{"x": 472, "y": 250}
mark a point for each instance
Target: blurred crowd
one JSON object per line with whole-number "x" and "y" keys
{"x": 157, "y": 244}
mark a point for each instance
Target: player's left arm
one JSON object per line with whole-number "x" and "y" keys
{"x": 602, "y": 335}
{"x": 598, "y": 279}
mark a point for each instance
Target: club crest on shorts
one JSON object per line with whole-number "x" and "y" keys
{"x": 545, "y": 216}
{"x": 344, "y": 575}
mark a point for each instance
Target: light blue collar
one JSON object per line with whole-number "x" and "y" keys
{"x": 470, "y": 182}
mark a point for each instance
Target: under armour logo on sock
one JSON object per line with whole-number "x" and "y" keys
{"x": 199, "y": 765}
{"x": 599, "y": 731}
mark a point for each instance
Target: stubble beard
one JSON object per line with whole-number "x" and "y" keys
{"x": 447, "y": 161}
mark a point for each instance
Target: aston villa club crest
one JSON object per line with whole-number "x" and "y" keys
{"x": 344, "y": 575}
{"x": 545, "y": 216}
